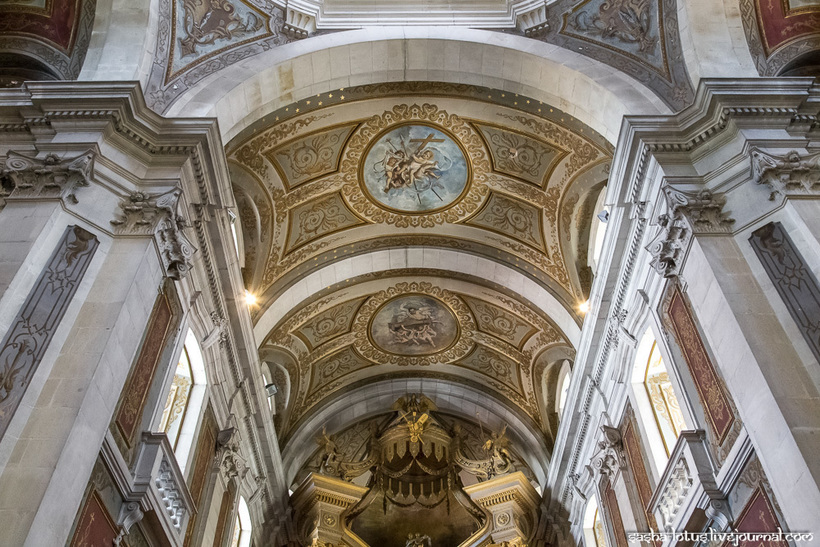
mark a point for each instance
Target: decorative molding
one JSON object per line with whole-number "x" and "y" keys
{"x": 34, "y": 326}
{"x": 298, "y": 24}
{"x": 688, "y": 214}
{"x": 50, "y": 177}
{"x": 792, "y": 278}
{"x": 786, "y": 175}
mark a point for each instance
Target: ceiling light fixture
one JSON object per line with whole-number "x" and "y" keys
{"x": 250, "y": 298}
{"x": 584, "y": 308}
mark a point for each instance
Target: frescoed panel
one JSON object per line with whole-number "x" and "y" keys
{"x": 310, "y": 157}
{"x": 53, "y": 21}
{"x": 95, "y": 527}
{"x": 513, "y": 218}
{"x": 414, "y": 325}
{"x": 204, "y": 28}
{"x": 415, "y": 169}
{"x": 613, "y": 513}
{"x": 631, "y": 27}
{"x": 519, "y": 156}
{"x": 758, "y": 516}
{"x": 316, "y": 218}
{"x": 782, "y": 22}
{"x": 500, "y": 323}
{"x": 716, "y": 404}
{"x": 634, "y": 456}
{"x": 142, "y": 374}
{"x": 329, "y": 324}
{"x": 801, "y": 4}
{"x": 205, "y": 450}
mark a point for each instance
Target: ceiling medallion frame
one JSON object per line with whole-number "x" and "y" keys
{"x": 465, "y": 324}
{"x": 447, "y": 309}
{"x": 460, "y": 131}
{"x": 375, "y": 140}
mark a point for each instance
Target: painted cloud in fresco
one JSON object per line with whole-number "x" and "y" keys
{"x": 415, "y": 169}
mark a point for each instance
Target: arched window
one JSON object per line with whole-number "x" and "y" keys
{"x": 594, "y": 533}
{"x": 563, "y": 388}
{"x": 665, "y": 406}
{"x": 597, "y": 231}
{"x": 656, "y": 403}
{"x": 242, "y": 527}
{"x": 184, "y": 401}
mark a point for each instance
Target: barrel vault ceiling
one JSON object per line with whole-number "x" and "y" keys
{"x": 363, "y": 172}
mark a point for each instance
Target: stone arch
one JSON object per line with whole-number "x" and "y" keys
{"x": 450, "y": 396}
{"x": 596, "y": 94}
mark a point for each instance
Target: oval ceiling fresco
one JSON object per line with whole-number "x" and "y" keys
{"x": 414, "y": 324}
{"x": 415, "y": 169}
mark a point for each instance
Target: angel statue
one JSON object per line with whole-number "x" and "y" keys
{"x": 497, "y": 448}
{"x": 332, "y": 458}
{"x": 418, "y": 540}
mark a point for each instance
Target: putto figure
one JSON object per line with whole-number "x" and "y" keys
{"x": 414, "y": 325}
{"x": 416, "y": 165}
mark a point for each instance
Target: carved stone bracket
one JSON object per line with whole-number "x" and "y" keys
{"x": 142, "y": 214}
{"x": 130, "y": 514}
{"x": 688, "y": 214}
{"x": 609, "y": 458}
{"x": 228, "y": 457}
{"x": 534, "y": 23}
{"x": 51, "y": 177}
{"x": 788, "y": 174}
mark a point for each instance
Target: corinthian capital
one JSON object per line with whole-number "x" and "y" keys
{"x": 787, "y": 174}
{"x": 43, "y": 178}
{"x": 687, "y": 214}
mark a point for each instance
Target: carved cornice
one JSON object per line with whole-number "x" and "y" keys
{"x": 688, "y": 214}
{"x": 786, "y": 175}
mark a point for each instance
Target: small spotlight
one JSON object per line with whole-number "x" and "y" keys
{"x": 250, "y": 298}
{"x": 584, "y": 308}
{"x": 271, "y": 389}
{"x": 603, "y": 216}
